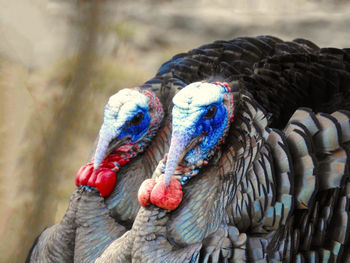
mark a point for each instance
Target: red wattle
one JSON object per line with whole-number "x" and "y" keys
{"x": 104, "y": 178}
{"x": 108, "y": 165}
{"x": 105, "y": 181}
{"x": 93, "y": 178}
{"x": 167, "y": 197}
{"x": 113, "y": 158}
{"x": 144, "y": 193}
{"x": 123, "y": 162}
{"x": 78, "y": 175}
{"x": 84, "y": 174}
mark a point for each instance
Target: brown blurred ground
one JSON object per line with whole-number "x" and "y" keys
{"x": 61, "y": 60}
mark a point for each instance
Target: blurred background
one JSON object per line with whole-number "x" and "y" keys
{"x": 61, "y": 60}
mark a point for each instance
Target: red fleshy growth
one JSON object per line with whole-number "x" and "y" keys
{"x": 105, "y": 181}
{"x": 112, "y": 158}
{"x": 84, "y": 174}
{"x": 144, "y": 193}
{"x": 93, "y": 177}
{"x": 232, "y": 118}
{"x": 225, "y": 84}
{"x": 123, "y": 162}
{"x": 104, "y": 178}
{"x": 167, "y": 197}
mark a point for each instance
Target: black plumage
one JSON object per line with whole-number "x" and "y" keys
{"x": 250, "y": 217}
{"x": 267, "y": 185}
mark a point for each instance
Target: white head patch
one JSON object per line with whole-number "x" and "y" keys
{"x": 128, "y": 99}
{"x": 198, "y": 94}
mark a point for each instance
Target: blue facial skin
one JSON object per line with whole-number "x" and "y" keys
{"x": 137, "y": 131}
{"x": 119, "y": 121}
{"x": 213, "y": 127}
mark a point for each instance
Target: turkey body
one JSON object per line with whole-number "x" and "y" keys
{"x": 91, "y": 222}
{"x": 279, "y": 189}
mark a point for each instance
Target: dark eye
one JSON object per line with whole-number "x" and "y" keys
{"x": 211, "y": 112}
{"x": 137, "y": 119}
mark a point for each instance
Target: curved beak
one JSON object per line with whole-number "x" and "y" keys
{"x": 181, "y": 144}
{"x": 107, "y": 142}
{"x": 178, "y": 145}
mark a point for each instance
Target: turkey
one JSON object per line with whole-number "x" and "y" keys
{"x": 92, "y": 221}
{"x": 131, "y": 119}
{"x": 276, "y": 187}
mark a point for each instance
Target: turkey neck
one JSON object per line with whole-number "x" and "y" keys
{"x": 101, "y": 221}
{"x": 56, "y": 244}
{"x": 150, "y": 228}
{"x": 159, "y": 235}
{"x": 96, "y": 229}
{"x": 122, "y": 203}
{"x": 148, "y": 242}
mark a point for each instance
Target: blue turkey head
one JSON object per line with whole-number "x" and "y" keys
{"x": 201, "y": 116}
{"x": 131, "y": 118}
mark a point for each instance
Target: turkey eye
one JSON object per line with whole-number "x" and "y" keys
{"x": 137, "y": 119}
{"x": 210, "y": 113}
